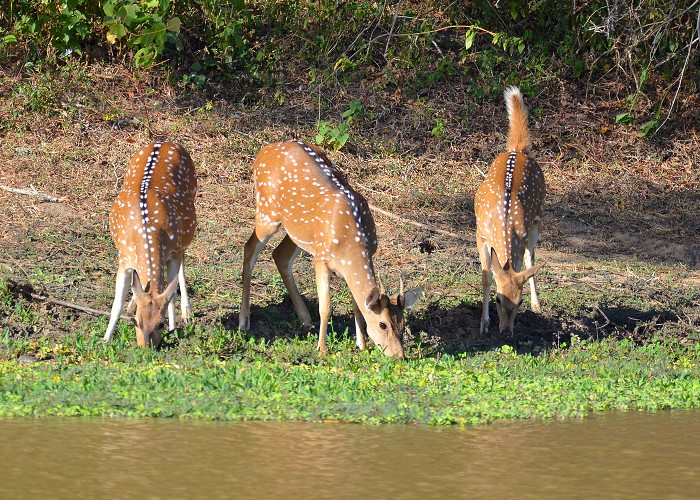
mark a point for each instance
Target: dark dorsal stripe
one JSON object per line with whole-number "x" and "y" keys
{"x": 146, "y": 180}
{"x": 510, "y": 166}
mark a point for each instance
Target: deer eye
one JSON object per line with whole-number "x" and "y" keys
{"x": 382, "y": 325}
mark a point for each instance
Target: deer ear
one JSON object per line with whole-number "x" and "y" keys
{"x": 136, "y": 287}
{"x": 411, "y": 297}
{"x": 496, "y": 264}
{"x": 372, "y": 298}
{"x": 529, "y": 272}
{"x": 170, "y": 290}
{"x": 381, "y": 285}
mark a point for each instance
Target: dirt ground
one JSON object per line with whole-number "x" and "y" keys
{"x": 621, "y": 234}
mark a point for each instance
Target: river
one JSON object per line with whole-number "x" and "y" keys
{"x": 621, "y": 455}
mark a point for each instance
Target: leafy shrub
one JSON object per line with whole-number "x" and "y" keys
{"x": 411, "y": 42}
{"x": 332, "y": 134}
{"x": 144, "y": 26}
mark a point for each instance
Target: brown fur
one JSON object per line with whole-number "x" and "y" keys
{"x": 297, "y": 187}
{"x": 508, "y": 207}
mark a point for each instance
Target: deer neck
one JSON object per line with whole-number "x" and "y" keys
{"x": 357, "y": 269}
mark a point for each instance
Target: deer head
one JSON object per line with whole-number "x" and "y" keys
{"x": 385, "y": 323}
{"x": 509, "y": 291}
{"x": 151, "y": 308}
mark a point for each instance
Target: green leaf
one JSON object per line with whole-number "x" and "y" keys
{"x": 145, "y": 57}
{"x": 10, "y": 39}
{"x": 108, "y": 8}
{"x": 513, "y": 11}
{"x": 469, "y": 39}
{"x": 118, "y": 30}
{"x": 130, "y": 12}
{"x": 340, "y": 141}
{"x": 174, "y": 25}
{"x": 648, "y": 128}
{"x": 623, "y": 118}
{"x": 643, "y": 76}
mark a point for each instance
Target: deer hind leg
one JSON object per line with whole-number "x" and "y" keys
{"x": 121, "y": 289}
{"x": 284, "y": 255}
{"x": 485, "y": 257}
{"x": 324, "y": 301}
{"x": 359, "y": 326}
{"x": 251, "y": 251}
{"x": 532, "y": 237}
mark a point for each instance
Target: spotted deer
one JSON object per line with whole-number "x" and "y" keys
{"x": 297, "y": 187}
{"x": 152, "y": 222}
{"x": 508, "y": 207}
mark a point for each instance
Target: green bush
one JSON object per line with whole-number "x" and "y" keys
{"x": 144, "y": 26}
{"x": 407, "y": 42}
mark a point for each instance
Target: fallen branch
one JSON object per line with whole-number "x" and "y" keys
{"x": 77, "y": 307}
{"x": 30, "y": 192}
{"x": 27, "y": 292}
{"x": 427, "y": 227}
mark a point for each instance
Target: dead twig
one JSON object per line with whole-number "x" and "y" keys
{"x": 693, "y": 39}
{"x": 77, "y": 307}
{"x": 391, "y": 30}
{"x": 27, "y": 292}
{"x": 418, "y": 224}
{"x": 32, "y": 191}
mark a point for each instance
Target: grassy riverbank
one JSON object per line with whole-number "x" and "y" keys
{"x": 219, "y": 374}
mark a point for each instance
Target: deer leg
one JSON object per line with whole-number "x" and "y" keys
{"x": 532, "y": 236}
{"x": 359, "y": 326}
{"x": 251, "y": 251}
{"x": 324, "y": 301}
{"x": 121, "y": 289}
{"x": 184, "y": 298}
{"x": 284, "y": 255}
{"x": 485, "y": 257}
{"x": 172, "y": 266}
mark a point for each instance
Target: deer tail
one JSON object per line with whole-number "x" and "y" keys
{"x": 518, "y": 131}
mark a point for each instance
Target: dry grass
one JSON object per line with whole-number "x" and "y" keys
{"x": 614, "y": 199}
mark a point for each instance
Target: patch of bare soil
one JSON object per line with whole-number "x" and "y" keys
{"x": 612, "y": 195}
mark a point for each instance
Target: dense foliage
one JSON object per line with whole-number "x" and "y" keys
{"x": 401, "y": 39}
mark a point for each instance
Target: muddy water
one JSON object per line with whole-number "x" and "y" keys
{"x": 629, "y": 455}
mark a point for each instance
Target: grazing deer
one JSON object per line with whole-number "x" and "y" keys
{"x": 298, "y": 187}
{"x": 508, "y": 207}
{"x": 152, "y": 222}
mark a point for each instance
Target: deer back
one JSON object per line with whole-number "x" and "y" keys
{"x": 508, "y": 202}
{"x": 296, "y": 185}
{"x": 153, "y": 216}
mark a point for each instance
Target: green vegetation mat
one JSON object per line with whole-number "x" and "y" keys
{"x": 286, "y": 380}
